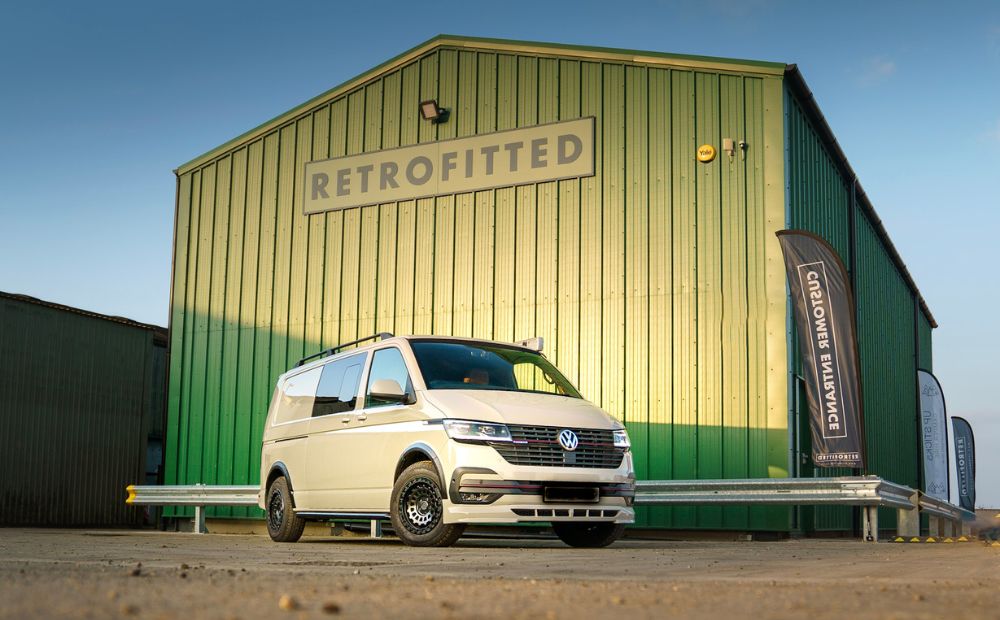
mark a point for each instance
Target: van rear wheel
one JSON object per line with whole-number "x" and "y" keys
{"x": 283, "y": 525}
{"x": 417, "y": 511}
{"x": 599, "y": 534}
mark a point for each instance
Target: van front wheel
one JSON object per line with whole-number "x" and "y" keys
{"x": 417, "y": 511}
{"x": 283, "y": 525}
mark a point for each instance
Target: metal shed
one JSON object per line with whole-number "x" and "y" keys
{"x": 82, "y": 398}
{"x": 657, "y": 282}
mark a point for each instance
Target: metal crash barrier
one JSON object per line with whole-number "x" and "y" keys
{"x": 202, "y": 495}
{"x": 868, "y": 492}
{"x": 197, "y": 495}
{"x": 942, "y": 514}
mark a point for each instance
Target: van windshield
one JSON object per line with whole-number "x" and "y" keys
{"x": 451, "y": 365}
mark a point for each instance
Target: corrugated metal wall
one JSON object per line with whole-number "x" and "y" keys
{"x": 925, "y": 344}
{"x": 648, "y": 281}
{"x": 820, "y": 200}
{"x": 74, "y": 393}
{"x": 888, "y": 345}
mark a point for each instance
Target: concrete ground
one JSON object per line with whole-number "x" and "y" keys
{"x": 99, "y": 574}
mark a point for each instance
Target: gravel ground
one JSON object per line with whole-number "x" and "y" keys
{"x": 100, "y": 574}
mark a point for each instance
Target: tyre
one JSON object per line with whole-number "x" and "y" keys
{"x": 599, "y": 534}
{"x": 417, "y": 508}
{"x": 282, "y": 523}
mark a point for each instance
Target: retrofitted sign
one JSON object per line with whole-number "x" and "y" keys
{"x": 551, "y": 152}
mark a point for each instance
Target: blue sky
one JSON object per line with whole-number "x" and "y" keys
{"x": 99, "y": 102}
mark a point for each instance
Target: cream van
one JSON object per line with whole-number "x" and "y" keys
{"x": 436, "y": 433}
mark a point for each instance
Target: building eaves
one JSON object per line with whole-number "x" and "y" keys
{"x": 797, "y": 83}
{"x": 160, "y": 332}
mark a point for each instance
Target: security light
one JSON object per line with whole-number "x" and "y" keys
{"x": 430, "y": 111}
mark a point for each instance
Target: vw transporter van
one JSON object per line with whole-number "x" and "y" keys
{"x": 436, "y": 433}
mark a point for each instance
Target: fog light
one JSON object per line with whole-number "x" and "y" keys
{"x": 478, "y": 498}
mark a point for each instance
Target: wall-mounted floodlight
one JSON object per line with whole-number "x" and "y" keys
{"x": 430, "y": 111}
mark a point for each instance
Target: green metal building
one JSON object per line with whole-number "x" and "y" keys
{"x": 657, "y": 282}
{"x": 82, "y": 398}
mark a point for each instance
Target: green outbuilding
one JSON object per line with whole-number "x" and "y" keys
{"x": 81, "y": 414}
{"x": 620, "y": 204}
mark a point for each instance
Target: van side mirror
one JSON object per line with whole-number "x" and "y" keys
{"x": 388, "y": 390}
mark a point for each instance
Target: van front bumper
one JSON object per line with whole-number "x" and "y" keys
{"x": 465, "y": 488}
{"x": 483, "y": 487}
{"x": 478, "y": 495}
{"x": 527, "y": 509}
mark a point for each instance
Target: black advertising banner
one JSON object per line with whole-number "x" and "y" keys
{"x": 965, "y": 461}
{"x": 824, "y": 315}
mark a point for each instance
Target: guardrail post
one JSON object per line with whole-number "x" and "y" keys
{"x": 933, "y": 526}
{"x": 376, "y": 528}
{"x": 869, "y": 524}
{"x": 908, "y": 521}
{"x": 199, "y": 520}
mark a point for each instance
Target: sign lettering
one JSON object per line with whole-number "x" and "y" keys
{"x": 551, "y": 152}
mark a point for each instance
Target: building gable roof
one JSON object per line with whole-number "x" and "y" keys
{"x": 448, "y": 41}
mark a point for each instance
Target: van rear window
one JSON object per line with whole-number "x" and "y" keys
{"x": 297, "y": 393}
{"x": 338, "y": 387}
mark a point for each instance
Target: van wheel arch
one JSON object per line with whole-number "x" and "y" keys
{"x": 277, "y": 471}
{"x": 415, "y": 454}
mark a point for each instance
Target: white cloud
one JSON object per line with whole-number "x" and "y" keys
{"x": 993, "y": 134}
{"x": 876, "y": 70}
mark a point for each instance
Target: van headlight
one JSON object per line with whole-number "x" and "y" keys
{"x": 621, "y": 439}
{"x": 464, "y": 430}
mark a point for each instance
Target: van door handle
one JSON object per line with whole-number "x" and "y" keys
{"x": 362, "y": 417}
{"x": 346, "y": 419}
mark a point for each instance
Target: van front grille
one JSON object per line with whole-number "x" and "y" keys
{"x": 538, "y": 446}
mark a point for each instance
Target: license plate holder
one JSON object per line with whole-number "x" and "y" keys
{"x": 571, "y": 495}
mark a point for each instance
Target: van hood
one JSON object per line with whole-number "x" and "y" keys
{"x": 526, "y": 408}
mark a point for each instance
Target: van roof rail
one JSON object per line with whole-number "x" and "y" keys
{"x": 332, "y": 350}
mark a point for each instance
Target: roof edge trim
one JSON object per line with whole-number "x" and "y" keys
{"x": 500, "y": 45}
{"x": 28, "y": 299}
{"x": 805, "y": 97}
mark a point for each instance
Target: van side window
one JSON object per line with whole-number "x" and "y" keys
{"x": 297, "y": 395}
{"x": 388, "y": 364}
{"x": 338, "y": 387}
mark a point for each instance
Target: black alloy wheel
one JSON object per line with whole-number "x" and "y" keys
{"x": 417, "y": 511}
{"x": 275, "y": 510}
{"x": 420, "y": 505}
{"x": 283, "y": 525}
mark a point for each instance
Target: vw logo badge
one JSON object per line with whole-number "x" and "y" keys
{"x": 568, "y": 440}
